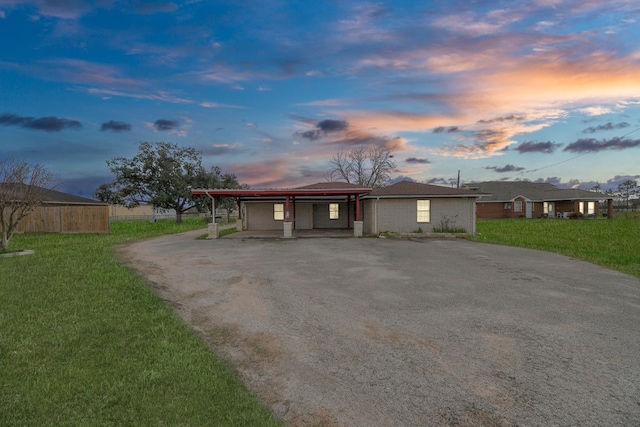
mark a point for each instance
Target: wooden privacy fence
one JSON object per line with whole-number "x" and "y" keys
{"x": 58, "y": 218}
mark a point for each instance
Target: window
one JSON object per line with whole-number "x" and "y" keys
{"x": 547, "y": 207}
{"x": 424, "y": 210}
{"x": 507, "y": 206}
{"x": 334, "y": 211}
{"x": 517, "y": 206}
{"x": 591, "y": 208}
{"x": 278, "y": 211}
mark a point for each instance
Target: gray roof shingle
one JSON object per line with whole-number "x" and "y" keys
{"x": 416, "y": 189}
{"x": 53, "y": 196}
{"x": 504, "y": 191}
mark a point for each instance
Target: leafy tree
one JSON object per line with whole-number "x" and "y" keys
{"x": 628, "y": 189}
{"x": 23, "y": 188}
{"x": 368, "y": 165}
{"x": 215, "y": 178}
{"x": 161, "y": 174}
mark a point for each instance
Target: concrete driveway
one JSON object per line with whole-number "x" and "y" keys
{"x": 385, "y": 332}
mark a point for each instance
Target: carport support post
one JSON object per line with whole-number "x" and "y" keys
{"x": 288, "y": 225}
{"x": 213, "y": 210}
{"x": 239, "y": 219}
{"x": 609, "y": 208}
{"x": 213, "y": 230}
{"x": 357, "y": 224}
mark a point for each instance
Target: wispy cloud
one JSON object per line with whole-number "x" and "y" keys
{"x": 207, "y": 104}
{"x": 158, "y": 96}
{"x": 325, "y": 128}
{"x": 145, "y": 8}
{"x": 547, "y": 147}
{"x": 342, "y": 133}
{"x": 509, "y": 118}
{"x": 48, "y": 124}
{"x": 450, "y": 129}
{"x": 505, "y": 168}
{"x": 591, "y": 144}
{"x": 79, "y": 71}
{"x": 417, "y": 160}
{"x": 595, "y": 110}
{"x": 605, "y": 127}
{"x": 325, "y": 103}
{"x": 115, "y": 126}
{"x": 222, "y": 149}
{"x": 362, "y": 25}
{"x": 172, "y": 126}
{"x": 165, "y": 124}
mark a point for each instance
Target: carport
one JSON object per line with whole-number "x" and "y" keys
{"x": 317, "y": 206}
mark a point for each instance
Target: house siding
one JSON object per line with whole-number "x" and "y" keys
{"x": 259, "y": 216}
{"x": 303, "y": 216}
{"x": 307, "y": 216}
{"x": 400, "y": 215}
{"x": 321, "y": 216}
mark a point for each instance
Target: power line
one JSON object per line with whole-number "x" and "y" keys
{"x": 579, "y": 155}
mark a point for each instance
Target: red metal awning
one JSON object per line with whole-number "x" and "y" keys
{"x": 281, "y": 192}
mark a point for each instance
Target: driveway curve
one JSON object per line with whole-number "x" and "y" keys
{"x": 386, "y": 332}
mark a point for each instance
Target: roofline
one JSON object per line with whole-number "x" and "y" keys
{"x": 561, "y": 199}
{"x": 281, "y": 192}
{"x": 416, "y": 196}
{"x": 56, "y": 202}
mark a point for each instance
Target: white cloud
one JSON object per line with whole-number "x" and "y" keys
{"x": 334, "y": 102}
{"x": 207, "y": 104}
{"x": 595, "y": 110}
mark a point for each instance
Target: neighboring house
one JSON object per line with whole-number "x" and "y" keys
{"x": 523, "y": 199}
{"x": 403, "y": 207}
{"x": 66, "y": 213}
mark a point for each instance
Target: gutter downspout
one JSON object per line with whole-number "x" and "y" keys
{"x": 213, "y": 207}
{"x": 375, "y": 216}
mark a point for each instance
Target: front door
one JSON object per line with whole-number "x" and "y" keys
{"x": 529, "y": 209}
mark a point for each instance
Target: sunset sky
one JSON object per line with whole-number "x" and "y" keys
{"x": 539, "y": 90}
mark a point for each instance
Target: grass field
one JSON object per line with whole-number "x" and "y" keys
{"x": 610, "y": 243}
{"x": 83, "y": 341}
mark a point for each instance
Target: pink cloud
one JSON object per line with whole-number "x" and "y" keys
{"x": 269, "y": 173}
{"x": 541, "y": 87}
{"x": 85, "y": 72}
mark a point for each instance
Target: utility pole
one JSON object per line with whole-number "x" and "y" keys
{"x": 458, "y": 183}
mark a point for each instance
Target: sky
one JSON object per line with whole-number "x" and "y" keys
{"x": 271, "y": 90}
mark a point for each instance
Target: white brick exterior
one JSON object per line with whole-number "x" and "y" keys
{"x": 307, "y": 216}
{"x": 397, "y": 215}
{"x": 400, "y": 215}
{"x": 259, "y": 216}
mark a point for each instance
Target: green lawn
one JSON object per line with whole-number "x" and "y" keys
{"x": 611, "y": 243}
{"x": 84, "y": 341}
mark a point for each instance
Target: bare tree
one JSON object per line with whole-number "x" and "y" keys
{"x": 23, "y": 187}
{"x": 369, "y": 166}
